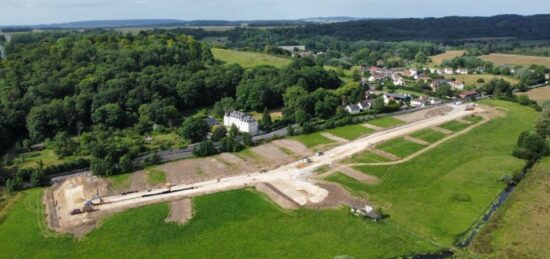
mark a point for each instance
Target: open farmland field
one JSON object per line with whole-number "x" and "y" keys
{"x": 471, "y": 80}
{"x": 249, "y": 59}
{"x": 235, "y": 224}
{"x": 441, "y": 193}
{"x": 538, "y": 94}
{"x": 510, "y": 59}
{"x": 521, "y": 228}
{"x": 438, "y": 59}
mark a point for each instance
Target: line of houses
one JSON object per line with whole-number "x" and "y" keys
{"x": 399, "y": 76}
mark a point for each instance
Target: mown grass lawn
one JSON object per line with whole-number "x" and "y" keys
{"x": 429, "y": 135}
{"x": 386, "y": 122}
{"x": 350, "y": 132}
{"x": 249, "y": 59}
{"x": 235, "y": 224}
{"x": 454, "y": 126}
{"x": 367, "y": 157}
{"x": 473, "y": 118}
{"x": 312, "y": 140}
{"x": 400, "y": 147}
{"x": 353, "y": 186}
{"x": 421, "y": 194}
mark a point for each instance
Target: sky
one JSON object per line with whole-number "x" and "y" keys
{"x": 26, "y": 12}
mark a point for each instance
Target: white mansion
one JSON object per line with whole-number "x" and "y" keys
{"x": 244, "y": 122}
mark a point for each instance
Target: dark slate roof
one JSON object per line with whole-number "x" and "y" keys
{"x": 241, "y": 116}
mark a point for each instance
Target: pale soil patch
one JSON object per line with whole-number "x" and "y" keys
{"x": 424, "y": 114}
{"x": 337, "y": 196}
{"x": 295, "y": 146}
{"x": 272, "y": 153}
{"x": 63, "y": 197}
{"x": 385, "y": 154}
{"x": 300, "y": 192}
{"x": 138, "y": 181}
{"x": 180, "y": 211}
{"x": 442, "y": 130}
{"x": 417, "y": 141}
{"x": 277, "y": 196}
{"x": 334, "y": 137}
{"x": 359, "y": 176}
{"x": 374, "y": 127}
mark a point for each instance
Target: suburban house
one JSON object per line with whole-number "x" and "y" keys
{"x": 400, "y": 98}
{"x": 244, "y": 122}
{"x": 457, "y": 85}
{"x": 462, "y": 71}
{"x": 468, "y": 95}
{"x": 376, "y": 77}
{"x": 353, "y": 109}
{"x": 294, "y": 48}
{"x": 397, "y": 80}
{"x": 410, "y": 73}
{"x": 211, "y": 121}
{"x": 448, "y": 71}
{"x": 359, "y": 107}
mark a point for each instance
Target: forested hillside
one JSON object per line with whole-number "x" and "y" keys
{"x": 75, "y": 82}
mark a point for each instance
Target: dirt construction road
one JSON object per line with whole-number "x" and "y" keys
{"x": 291, "y": 179}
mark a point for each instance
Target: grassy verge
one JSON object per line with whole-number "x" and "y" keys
{"x": 454, "y": 126}
{"x": 429, "y": 135}
{"x": 520, "y": 229}
{"x": 312, "y": 140}
{"x": 249, "y": 59}
{"x": 386, "y": 122}
{"x": 263, "y": 231}
{"x": 350, "y": 132}
{"x": 443, "y": 191}
{"x": 400, "y": 147}
{"x": 353, "y": 186}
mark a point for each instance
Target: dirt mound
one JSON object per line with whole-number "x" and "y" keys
{"x": 337, "y": 197}
{"x": 277, "y": 196}
{"x": 180, "y": 211}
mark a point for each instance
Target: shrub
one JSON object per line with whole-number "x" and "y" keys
{"x": 205, "y": 148}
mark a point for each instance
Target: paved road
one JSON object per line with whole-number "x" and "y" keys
{"x": 289, "y": 172}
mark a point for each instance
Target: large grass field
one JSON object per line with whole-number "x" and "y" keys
{"x": 386, "y": 122}
{"x": 249, "y": 59}
{"x": 438, "y": 59}
{"x": 471, "y": 80}
{"x": 312, "y": 139}
{"x": 520, "y": 228}
{"x": 400, "y": 147}
{"x": 235, "y": 224}
{"x": 442, "y": 192}
{"x": 538, "y": 94}
{"x": 510, "y": 59}
{"x": 350, "y": 132}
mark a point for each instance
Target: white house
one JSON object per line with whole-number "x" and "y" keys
{"x": 396, "y": 97}
{"x": 244, "y": 122}
{"x": 397, "y": 80}
{"x": 423, "y": 101}
{"x": 462, "y": 71}
{"x": 456, "y": 85}
{"x": 448, "y": 71}
{"x": 353, "y": 109}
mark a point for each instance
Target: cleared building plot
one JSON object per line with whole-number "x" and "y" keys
{"x": 454, "y": 126}
{"x": 313, "y": 140}
{"x": 400, "y": 147}
{"x": 367, "y": 157}
{"x": 350, "y": 132}
{"x": 386, "y": 122}
{"x": 429, "y": 135}
{"x": 354, "y": 186}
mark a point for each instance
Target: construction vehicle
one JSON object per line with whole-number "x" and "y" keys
{"x": 470, "y": 107}
{"x": 367, "y": 212}
{"x": 304, "y": 162}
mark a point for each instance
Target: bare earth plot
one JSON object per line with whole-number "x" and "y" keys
{"x": 180, "y": 211}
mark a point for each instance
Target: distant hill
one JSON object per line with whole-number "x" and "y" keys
{"x": 533, "y": 27}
